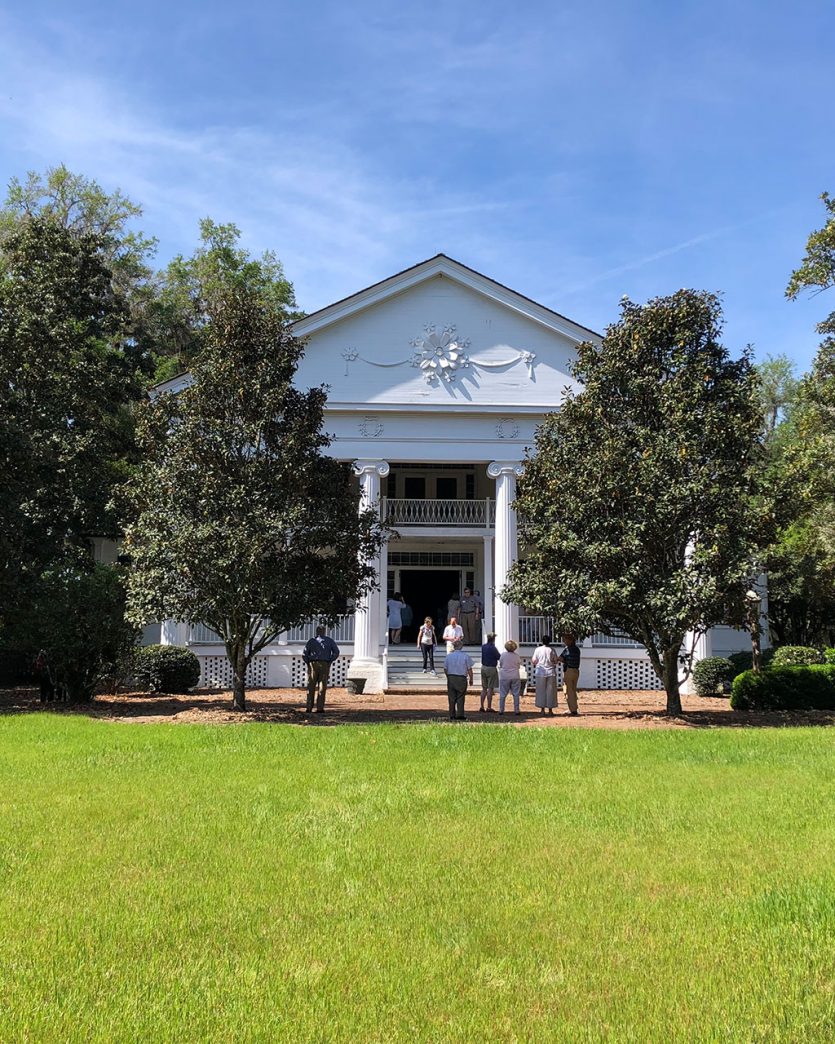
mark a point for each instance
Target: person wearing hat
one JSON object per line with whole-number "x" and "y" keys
{"x": 458, "y": 668}
{"x": 489, "y": 672}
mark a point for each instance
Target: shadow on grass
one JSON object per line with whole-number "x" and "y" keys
{"x": 287, "y": 706}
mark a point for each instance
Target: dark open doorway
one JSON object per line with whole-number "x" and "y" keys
{"x": 427, "y": 591}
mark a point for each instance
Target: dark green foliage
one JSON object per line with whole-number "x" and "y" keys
{"x": 242, "y": 523}
{"x": 712, "y": 674}
{"x": 743, "y": 661}
{"x": 167, "y": 668}
{"x": 64, "y": 385}
{"x": 786, "y": 688}
{"x": 78, "y": 618}
{"x": 636, "y": 506}
{"x": 796, "y": 656}
{"x": 16, "y": 665}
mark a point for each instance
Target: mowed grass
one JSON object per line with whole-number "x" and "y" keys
{"x": 429, "y": 882}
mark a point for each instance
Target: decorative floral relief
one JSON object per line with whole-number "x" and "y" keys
{"x": 371, "y": 427}
{"x": 440, "y": 354}
{"x": 507, "y": 428}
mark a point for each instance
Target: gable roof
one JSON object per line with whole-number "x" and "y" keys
{"x": 445, "y": 267}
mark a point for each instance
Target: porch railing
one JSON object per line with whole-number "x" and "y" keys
{"x": 532, "y": 628}
{"x": 618, "y": 640}
{"x": 342, "y": 631}
{"x": 417, "y": 512}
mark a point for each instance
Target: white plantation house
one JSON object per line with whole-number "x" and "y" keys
{"x": 438, "y": 378}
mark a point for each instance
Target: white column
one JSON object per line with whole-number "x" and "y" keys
{"x": 367, "y": 621}
{"x": 487, "y": 589}
{"x": 507, "y": 615}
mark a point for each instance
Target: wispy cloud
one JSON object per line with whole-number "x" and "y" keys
{"x": 335, "y": 218}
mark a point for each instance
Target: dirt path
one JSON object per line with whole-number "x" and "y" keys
{"x": 598, "y": 709}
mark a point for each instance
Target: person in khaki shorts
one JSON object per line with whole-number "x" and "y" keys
{"x": 570, "y": 657}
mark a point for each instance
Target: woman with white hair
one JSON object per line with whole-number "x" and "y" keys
{"x": 510, "y": 680}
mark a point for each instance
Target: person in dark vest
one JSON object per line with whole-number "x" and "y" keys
{"x": 319, "y": 654}
{"x": 570, "y": 657}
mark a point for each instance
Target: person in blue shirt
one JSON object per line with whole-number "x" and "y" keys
{"x": 319, "y": 654}
{"x": 489, "y": 673}
{"x": 458, "y": 668}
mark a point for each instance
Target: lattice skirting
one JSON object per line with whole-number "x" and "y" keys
{"x": 626, "y": 674}
{"x": 216, "y": 672}
{"x": 339, "y": 672}
{"x": 526, "y": 662}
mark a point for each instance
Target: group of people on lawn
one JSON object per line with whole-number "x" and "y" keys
{"x": 499, "y": 670}
{"x": 502, "y": 670}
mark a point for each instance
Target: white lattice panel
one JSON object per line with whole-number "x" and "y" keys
{"x": 339, "y": 672}
{"x": 216, "y": 672}
{"x": 626, "y": 674}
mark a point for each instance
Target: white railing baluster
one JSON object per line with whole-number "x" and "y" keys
{"x": 416, "y": 512}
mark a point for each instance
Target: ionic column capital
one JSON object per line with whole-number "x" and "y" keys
{"x": 505, "y": 467}
{"x": 371, "y": 467}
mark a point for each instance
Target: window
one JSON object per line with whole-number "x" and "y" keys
{"x": 414, "y": 487}
{"x": 446, "y": 488}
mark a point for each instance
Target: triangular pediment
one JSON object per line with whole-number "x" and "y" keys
{"x": 444, "y": 267}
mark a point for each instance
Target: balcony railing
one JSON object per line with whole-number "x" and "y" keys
{"x": 342, "y": 631}
{"x": 473, "y": 513}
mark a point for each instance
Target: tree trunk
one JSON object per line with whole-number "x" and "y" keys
{"x": 671, "y": 681}
{"x": 239, "y": 666}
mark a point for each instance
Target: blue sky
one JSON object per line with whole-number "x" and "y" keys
{"x": 575, "y": 151}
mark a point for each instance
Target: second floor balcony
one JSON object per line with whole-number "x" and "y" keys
{"x": 478, "y": 514}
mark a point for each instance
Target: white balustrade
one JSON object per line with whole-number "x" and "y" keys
{"x": 532, "y": 628}
{"x": 618, "y": 640}
{"x": 342, "y": 631}
{"x": 419, "y": 512}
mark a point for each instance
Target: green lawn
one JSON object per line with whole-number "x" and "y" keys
{"x": 425, "y": 882}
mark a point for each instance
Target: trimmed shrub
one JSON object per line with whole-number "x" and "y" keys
{"x": 712, "y": 674}
{"x": 786, "y": 688}
{"x": 167, "y": 668}
{"x": 796, "y": 656}
{"x": 743, "y": 661}
{"x": 829, "y": 656}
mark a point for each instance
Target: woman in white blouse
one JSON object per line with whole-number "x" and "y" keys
{"x": 544, "y": 664}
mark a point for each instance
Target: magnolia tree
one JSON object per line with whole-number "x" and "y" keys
{"x": 637, "y": 505}
{"x": 241, "y": 523}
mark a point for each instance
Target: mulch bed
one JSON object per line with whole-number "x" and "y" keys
{"x": 598, "y": 709}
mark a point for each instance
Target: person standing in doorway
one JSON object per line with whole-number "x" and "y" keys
{"x": 470, "y": 619}
{"x": 544, "y": 664}
{"x": 459, "y": 674}
{"x": 489, "y": 672}
{"x": 453, "y": 633}
{"x": 570, "y": 657}
{"x": 394, "y": 607}
{"x": 510, "y": 680}
{"x": 319, "y": 654}
{"x": 426, "y": 642}
{"x": 453, "y": 608}
{"x": 406, "y": 616}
